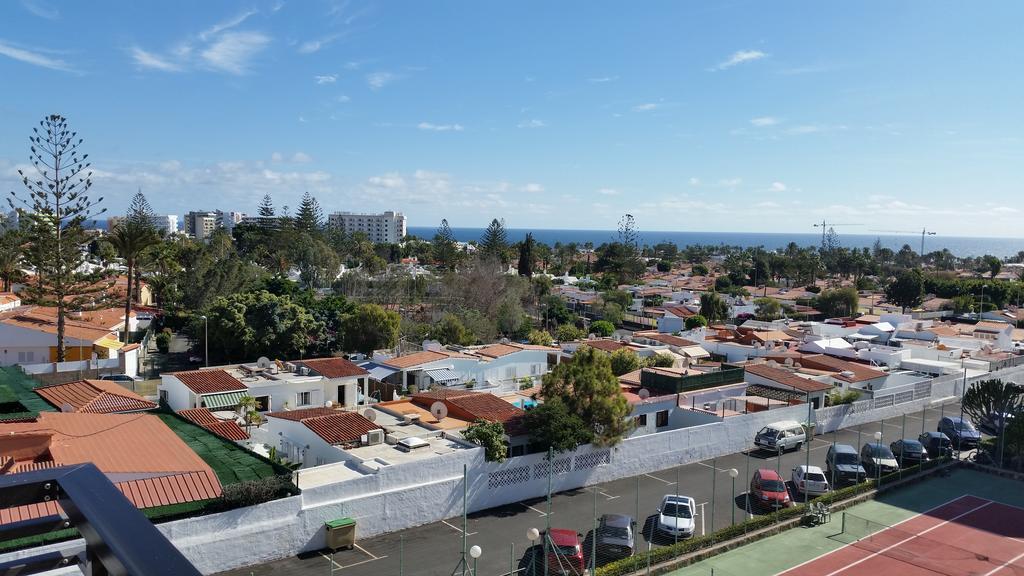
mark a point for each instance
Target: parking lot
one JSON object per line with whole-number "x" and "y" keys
{"x": 501, "y": 533}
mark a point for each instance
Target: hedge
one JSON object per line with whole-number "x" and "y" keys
{"x": 657, "y": 555}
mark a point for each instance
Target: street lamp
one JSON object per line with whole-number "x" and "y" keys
{"x": 878, "y": 465}
{"x": 981, "y": 305}
{"x": 475, "y": 553}
{"x": 206, "y": 340}
{"x": 533, "y": 535}
{"x": 733, "y": 473}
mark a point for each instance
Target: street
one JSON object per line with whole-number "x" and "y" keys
{"x": 501, "y": 533}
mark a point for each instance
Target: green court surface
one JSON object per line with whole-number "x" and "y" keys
{"x": 793, "y": 547}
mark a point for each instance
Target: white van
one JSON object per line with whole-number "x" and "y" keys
{"x": 785, "y": 435}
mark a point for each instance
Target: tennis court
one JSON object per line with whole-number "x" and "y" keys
{"x": 963, "y": 537}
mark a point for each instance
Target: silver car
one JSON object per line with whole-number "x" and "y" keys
{"x": 615, "y": 533}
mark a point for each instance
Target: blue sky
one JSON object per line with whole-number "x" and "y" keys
{"x": 735, "y": 116}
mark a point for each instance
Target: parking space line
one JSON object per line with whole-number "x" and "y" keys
{"x": 331, "y": 560}
{"x": 445, "y": 522}
{"x": 365, "y": 551}
{"x": 659, "y": 479}
{"x": 534, "y": 509}
{"x": 606, "y": 495}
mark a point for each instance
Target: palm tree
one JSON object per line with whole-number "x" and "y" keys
{"x": 130, "y": 238}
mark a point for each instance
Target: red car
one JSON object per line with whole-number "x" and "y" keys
{"x": 768, "y": 490}
{"x": 565, "y": 554}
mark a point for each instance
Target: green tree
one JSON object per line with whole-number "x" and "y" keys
{"x": 444, "y": 248}
{"x": 11, "y": 252}
{"x": 907, "y": 289}
{"x": 568, "y": 333}
{"x": 309, "y": 217}
{"x": 838, "y": 302}
{"x": 621, "y": 297}
{"x": 660, "y": 360}
{"x": 992, "y": 397}
{"x": 995, "y": 265}
{"x": 494, "y": 243}
{"x": 602, "y": 328}
{"x": 624, "y": 361}
{"x": 252, "y": 324}
{"x": 371, "y": 328}
{"x": 553, "y": 425}
{"x": 266, "y": 219}
{"x": 590, "y": 389}
{"x": 55, "y": 210}
{"x": 699, "y": 270}
{"x": 489, "y": 435}
{"x": 450, "y": 330}
{"x": 713, "y": 307}
{"x": 695, "y": 321}
{"x": 613, "y": 313}
{"x": 131, "y": 237}
{"x": 539, "y": 338}
{"x": 767, "y": 309}
{"x": 526, "y": 256}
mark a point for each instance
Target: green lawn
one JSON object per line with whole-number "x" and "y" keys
{"x": 792, "y": 547}
{"x": 17, "y": 397}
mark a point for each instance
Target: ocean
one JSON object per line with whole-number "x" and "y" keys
{"x": 958, "y": 245}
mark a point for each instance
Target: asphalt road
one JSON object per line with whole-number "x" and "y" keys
{"x": 501, "y": 533}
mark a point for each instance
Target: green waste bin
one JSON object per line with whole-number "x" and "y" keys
{"x": 341, "y": 533}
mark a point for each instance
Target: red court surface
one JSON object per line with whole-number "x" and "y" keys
{"x": 968, "y": 536}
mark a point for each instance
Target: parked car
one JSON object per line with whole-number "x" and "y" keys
{"x": 909, "y": 452}
{"x": 937, "y": 444}
{"x": 675, "y": 516}
{"x": 960, "y": 431}
{"x": 993, "y": 423}
{"x": 878, "y": 458}
{"x": 809, "y": 481}
{"x": 843, "y": 464}
{"x": 121, "y": 378}
{"x": 615, "y": 534}
{"x": 142, "y": 316}
{"x": 767, "y": 490}
{"x": 784, "y": 435}
{"x": 565, "y": 554}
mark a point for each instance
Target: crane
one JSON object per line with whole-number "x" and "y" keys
{"x": 826, "y": 225}
{"x": 924, "y": 232}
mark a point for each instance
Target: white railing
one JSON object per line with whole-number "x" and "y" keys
{"x": 72, "y": 366}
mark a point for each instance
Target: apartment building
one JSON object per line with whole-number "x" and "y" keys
{"x": 200, "y": 225}
{"x": 387, "y": 228}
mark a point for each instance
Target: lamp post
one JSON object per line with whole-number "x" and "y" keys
{"x": 981, "y": 305}
{"x": 206, "y": 340}
{"x": 733, "y": 473}
{"x": 878, "y": 466}
{"x": 475, "y": 553}
{"x": 533, "y": 535}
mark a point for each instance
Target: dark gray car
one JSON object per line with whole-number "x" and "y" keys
{"x": 615, "y": 534}
{"x": 843, "y": 463}
{"x": 960, "y": 431}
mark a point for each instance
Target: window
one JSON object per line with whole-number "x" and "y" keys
{"x": 302, "y": 399}
{"x": 262, "y": 403}
{"x": 534, "y": 369}
{"x": 641, "y": 421}
{"x": 661, "y": 418}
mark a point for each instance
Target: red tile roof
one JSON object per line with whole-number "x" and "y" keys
{"x": 334, "y": 426}
{"x": 227, "y": 429}
{"x": 415, "y": 359}
{"x": 604, "y": 345}
{"x": 472, "y": 406}
{"x": 786, "y": 378}
{"x": 669, "y": 339}
{"x": 94, "y": 396}
{"x": 498, "y": 350}
{"x": 209, "y": 381}
{"x": 333, "y": 367}
{"x": 823, "y": 362}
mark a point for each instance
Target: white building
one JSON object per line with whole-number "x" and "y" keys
{"x": 228, "y": 220}
{"x": 498, "y": 367}
{"x": 200, "y": 225}
{"x": 386, "y": 228}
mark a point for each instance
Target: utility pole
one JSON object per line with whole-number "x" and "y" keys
{"x": 924, "y": 232}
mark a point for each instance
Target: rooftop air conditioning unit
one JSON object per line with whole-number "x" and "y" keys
{"x": 289, "y": 367}
{"x": 410, "y": 418}
{"x": 304, "y": 370}
{"x": 374, "y": 437}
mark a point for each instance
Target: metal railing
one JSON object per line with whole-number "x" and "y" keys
{"x": 119, "y": 539}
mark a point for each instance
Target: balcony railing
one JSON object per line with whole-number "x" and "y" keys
{"x": 119, "y": 539}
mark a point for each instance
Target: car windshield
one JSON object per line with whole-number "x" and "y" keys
{"x": 567, "y": 550}
{"x": 881, "y": 452}
{"x": 912, "y": 446}
{"x": 815, "y": 477}
{"x": 965, "y": 426}
{"x": 615, "y": 532}
{"x": 769, "y": 432}
{"x": 677, "y": 510}
{"x": 773, "y": 486}
{"x": 846, "y": 458}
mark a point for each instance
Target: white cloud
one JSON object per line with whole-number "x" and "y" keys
{"x": 694, "y": 181}
{"x": 533, "y": 188}
{"x": 41, "y": 9}
{"x": 730, "y": 182}
{"x": 740, "y": 57}
{"x": 149, "y": 60}
{"x": 33, "y": 57}
{"x": 326, "y": 79}
{"x": 343, "y": 99}
{"x": 602, "y": 79}
{"x": 608, "y": 191}
{"x": 301, "y": 158}
{"x": 1004, "y": 210}
{"x": 805, "y": 129}
{"x": 777, "y": 187}
{"x": 276, "y": 157}
{"x": 439, "y": 127}
{"x": 225, "y": 25}
{"x": 645, "y": 107}
{"x": 233, "y": 51}
{"x": 763, "y": 121}
{"x": 311, "y": 46}
{"x": 391, "y": 180}
{"x": 532, "y": 123}
{"x": 378, "y": 80}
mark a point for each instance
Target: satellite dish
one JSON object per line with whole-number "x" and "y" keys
{"x": 264, "y": 362}
{"x": 644, "y": 393}
{"x": 328, "y": 404}
{"x": 503, "y": 341}
{"x": 370, "y": 414}
{"x": 797, "y": 365}
{"x": 789, "y": 361}
{"x": 439, "y": 410}
{"x": 67, "y": 407}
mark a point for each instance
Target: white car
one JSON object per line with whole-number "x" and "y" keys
{"x": 675, "y": 516}
{"x": 810, "y": 481}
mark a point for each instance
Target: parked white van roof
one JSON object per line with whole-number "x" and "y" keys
{"x": 784, "y": 425}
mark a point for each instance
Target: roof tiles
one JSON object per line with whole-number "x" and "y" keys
{"x": 333, "y": 367}
{"x": 209, "y": 381}
{"x": 94, "y": 396}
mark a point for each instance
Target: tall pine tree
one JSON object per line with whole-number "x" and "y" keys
{"x": 494, "y": 243}
{"x": 526, "y": 256}
{"x": 266, "y": 219}
{"x": 310, "y": 217}
{"x": 446, "y": 251}
{"x": 131, "y": 237}
{"x": 55, "y": 210}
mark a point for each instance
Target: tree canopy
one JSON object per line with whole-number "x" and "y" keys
{"x": 589, "y": 388}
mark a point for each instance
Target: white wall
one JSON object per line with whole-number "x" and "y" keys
{"x": 179, "y": 397}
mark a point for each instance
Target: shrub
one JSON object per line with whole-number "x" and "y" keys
{"x": 839, "y": 397}
{"x": 163, "y": 342}
{"x": 602, "y": 328}
{"x": 252, "y": 492}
